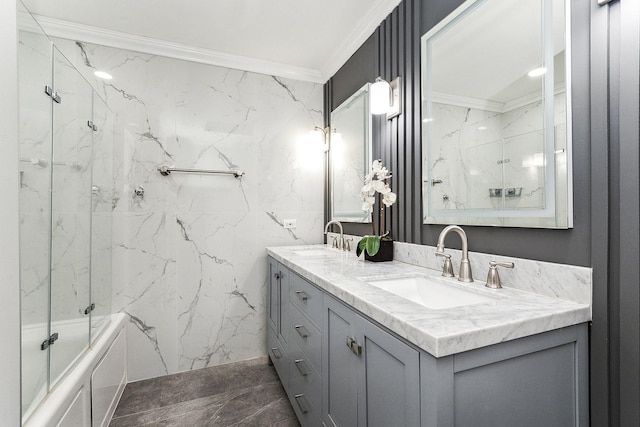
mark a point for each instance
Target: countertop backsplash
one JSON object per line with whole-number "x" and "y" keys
{"x": 563, "y": 281}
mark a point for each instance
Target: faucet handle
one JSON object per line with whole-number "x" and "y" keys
{"x": 347, "y": 245}
{"x": 447, "y": 268}
{"x": 335, "y": 242}
{"x": 493, "y": 279}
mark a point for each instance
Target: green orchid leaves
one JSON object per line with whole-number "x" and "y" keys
{"x": 371, "y": 244}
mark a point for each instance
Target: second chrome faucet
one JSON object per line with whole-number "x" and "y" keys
{"x": 341, "y": 243}
{"x": 465, "y": 274}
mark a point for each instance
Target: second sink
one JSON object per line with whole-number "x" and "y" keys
{"x": 429, "y": 292}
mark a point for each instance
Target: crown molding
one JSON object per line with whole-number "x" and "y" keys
{"x": 493, "y": 106}
{"x": 89, "y": 34}
{"x": 377, "y": 13}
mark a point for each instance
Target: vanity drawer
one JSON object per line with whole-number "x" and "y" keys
{"x": 306, "y": 297}
{"x": 303, "y": 377}
{"x": 278, "y": 356}
{"x": 306, "y": 335}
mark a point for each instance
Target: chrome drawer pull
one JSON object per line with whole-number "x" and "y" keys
{"x": 302, "y": 295}
{"x": 301, "y": 403}
{"x": 275, "y": 350}
{"x": 302, "y": 331}
{"x": 302, "y": 368}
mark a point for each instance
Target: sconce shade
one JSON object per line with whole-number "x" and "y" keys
{"x": 319, "y": 137}
{"x": 316, "y": 136}
{"x": 379, "y": 96}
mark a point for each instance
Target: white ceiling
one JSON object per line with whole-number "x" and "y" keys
{"x": 314, "y": 37}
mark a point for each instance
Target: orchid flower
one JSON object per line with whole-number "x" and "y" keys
{"x": 375, "y": 183}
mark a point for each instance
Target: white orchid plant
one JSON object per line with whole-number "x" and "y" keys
{"x": 375, "y": 188}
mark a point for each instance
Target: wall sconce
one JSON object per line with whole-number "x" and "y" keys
{"x": 320, "y": 136}
{"x": 385, "y": 97}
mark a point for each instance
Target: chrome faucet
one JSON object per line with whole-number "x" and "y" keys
{"x": 340, "y": 244}
{"x": 465, "y": 274}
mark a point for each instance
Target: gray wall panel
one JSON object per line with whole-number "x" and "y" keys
{"x": 358, "y": 70}
{"x": 605, "y": 122}
{"x": 599, "y": 361}
{"x": 629, "y": 235}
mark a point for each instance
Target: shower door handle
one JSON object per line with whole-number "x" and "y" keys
{"x": 46, "y": 343}
{"x": 90, "y": 308}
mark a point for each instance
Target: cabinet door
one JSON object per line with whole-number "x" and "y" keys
{"x": 273, "y": 305}
{"x": 278, "y": 282}
{"x": 283, "y": 297}
{"x": 388, "y": 381}
{"x": 375, "y": 381}
{"x": 339, "y": 366}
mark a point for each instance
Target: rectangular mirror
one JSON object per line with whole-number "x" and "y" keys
{"x": 496, "y": 116}
{"x": 350, "y": 156}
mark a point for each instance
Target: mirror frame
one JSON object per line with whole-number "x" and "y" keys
{"x": 504, "y": 217}
{"x": 355, "y": 216}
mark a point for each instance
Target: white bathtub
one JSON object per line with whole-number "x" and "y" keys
{"x": 89, "y": 389}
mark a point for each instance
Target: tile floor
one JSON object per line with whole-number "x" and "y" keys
{"x": 238, "y": 394}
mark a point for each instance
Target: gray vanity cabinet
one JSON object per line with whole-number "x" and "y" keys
{"x": 370, "y": 377}
{"x": 341, "y": 369}
{"x": 278, "y": 292}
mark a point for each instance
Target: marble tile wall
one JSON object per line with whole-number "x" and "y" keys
{"x": 189, "y": 264}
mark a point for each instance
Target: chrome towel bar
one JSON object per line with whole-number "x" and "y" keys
{"x": 166, "y": 170}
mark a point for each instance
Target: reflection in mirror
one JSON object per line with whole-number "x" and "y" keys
{"x": 496, "y": 115}
{"x": 350, "y": 156}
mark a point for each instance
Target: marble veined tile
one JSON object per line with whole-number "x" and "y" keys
{"x": 144, "y": 287}
{"x": 188, "y": 257}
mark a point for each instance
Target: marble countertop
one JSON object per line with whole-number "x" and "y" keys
{"x": 510, "y": 313}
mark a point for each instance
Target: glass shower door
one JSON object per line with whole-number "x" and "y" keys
{"x": 34, "y": 56}
{"x": 102, "y": 192}
{"x": 70, "y": 216}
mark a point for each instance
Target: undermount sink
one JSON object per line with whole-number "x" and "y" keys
{"x": 312, "y": 252}
{"x": 429, "y": 292}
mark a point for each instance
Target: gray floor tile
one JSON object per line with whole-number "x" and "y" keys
{"x": 239, "y": 394}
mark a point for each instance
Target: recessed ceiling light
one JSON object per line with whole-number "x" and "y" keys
{"x": 482, "y": 128}
{"x": 103, "y": 75}
{"x": 537, "y": 72}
